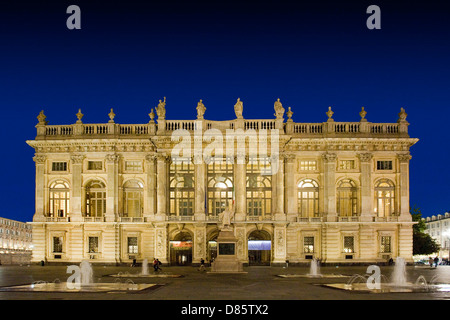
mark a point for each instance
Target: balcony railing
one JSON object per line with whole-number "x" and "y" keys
{"x": 166, "y": 127}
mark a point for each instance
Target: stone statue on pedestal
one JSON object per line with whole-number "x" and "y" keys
{"x": 225, "y": 217}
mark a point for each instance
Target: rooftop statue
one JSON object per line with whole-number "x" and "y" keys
{"x": 200, "y": 109}
{"x": 279, "y": 110}
{"x": 161, "y": 109}
{"x": 239, "y": 108}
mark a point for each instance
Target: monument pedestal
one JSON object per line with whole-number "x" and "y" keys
{"x": 226, "y": 261}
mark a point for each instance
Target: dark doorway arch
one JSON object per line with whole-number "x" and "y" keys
{"x": 259, "y": 248}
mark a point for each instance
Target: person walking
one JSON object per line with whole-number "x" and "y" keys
{"x": 156, "y": 265}
{"x": 436, "y": 261}
{"x": 430, "y": 261}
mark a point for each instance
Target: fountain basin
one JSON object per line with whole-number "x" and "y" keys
{"x": 92, "y": 287}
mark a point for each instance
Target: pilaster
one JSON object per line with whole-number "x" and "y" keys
{"x": 40, "y": 161}
{"x": 329, "y": 166}
{"x": 112, "y": 187}
{"x": 366, "y": 194}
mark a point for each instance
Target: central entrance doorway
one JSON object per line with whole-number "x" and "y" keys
{"x": 181, "y": 250}
{"x": 259, "y": 248}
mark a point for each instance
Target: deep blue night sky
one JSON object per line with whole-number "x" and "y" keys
{"x": 128, "y": 55}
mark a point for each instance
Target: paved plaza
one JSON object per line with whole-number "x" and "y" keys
{"x": 189, "y": 284}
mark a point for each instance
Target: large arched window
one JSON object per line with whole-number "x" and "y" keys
{"x": 181, "y": 202}
{"x": 220, "y": 186}
{"x": 259, "y": 188}
{"x": 384, "y": 198}
{"x": 59, "y": 199}
{"x": 347, "y": 198}
{"x": 308, "y": 198}
{"x": 95, "y": 199}
{"x": 133, "y": 198}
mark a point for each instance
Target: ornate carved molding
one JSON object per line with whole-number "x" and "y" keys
{"x": 39, "y": 159}
{"x": 365, "y": 157}
{"x": 329, "y": 157}
{"x": 404, "y": 157}
{"x": 112, "y": 158}
{"x": 77, "y": 158}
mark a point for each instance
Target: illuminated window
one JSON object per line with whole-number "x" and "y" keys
{"x": 95, "y": 199}
{"x": 59, "y": 202}
{"x": 308, "y": 198}
{"x": 347, "y": 164}
{"x": 384, "y": 197}
{"x": 349, "y": 245}
{"x": 181, "y": 190}
{"x": 220, "y": 186}
{"x": 308, "y": 244}
{"x": 133, "y": 245}
{"x": 133, "y": 198}
{"x": 259, "y": 188}
{"x": 308, "y": 165}
{"x": 347, "y": 201}
{"x": 133, "y": 166}
{"x": 385, "y": 244}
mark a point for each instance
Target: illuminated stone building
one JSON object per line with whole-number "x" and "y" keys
{"x": 111, "y": 193}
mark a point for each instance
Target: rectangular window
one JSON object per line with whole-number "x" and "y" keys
{"x": 57, "y": 244}
{"x": 385, "y": 244}
{"x": 93, "y": 244}
{"x": 59, "y": 166}
{"x": 133, "y": 166}
{"x": 309, "y": 165}
{"x": 95, "y": 165}
{"x": 133, "y": 245}
{"x": 347, "y": 165}
{"x": 384, "y": 165}
{"x": 349, "y": 246}
{"x": 308, "y": 244}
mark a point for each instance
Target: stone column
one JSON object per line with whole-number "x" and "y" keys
{"x": 330, "y": 186}
{"x": 39, "y": 214}
{"x": 149, "y": 193}
{"x": 161, "y": 187}
{"x": 77, "y": 190}
{"x": 291, "y": 189}
{"x": 112, "y": 187}
{"x": 366, "y": 191}
{"x": 404, "y": 187}
{"x": 240, "y": 187}
{"x": 200, "y": 187}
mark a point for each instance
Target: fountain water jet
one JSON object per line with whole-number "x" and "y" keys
{"x": 314, "y": 270}
{"x": 399, "y": 274}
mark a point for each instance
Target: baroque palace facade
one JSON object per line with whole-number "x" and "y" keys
{"x": 112, "y": 193}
